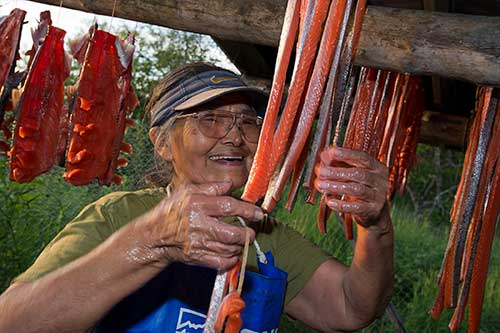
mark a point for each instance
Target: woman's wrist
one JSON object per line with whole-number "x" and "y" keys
{"x": 383, "y": 225}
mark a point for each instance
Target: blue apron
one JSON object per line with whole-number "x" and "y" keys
{"x": 178, "y": 301}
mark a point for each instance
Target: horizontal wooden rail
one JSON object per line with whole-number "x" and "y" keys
{"x": 458, "y": 46}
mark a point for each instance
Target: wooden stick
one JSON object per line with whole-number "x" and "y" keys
{"x": 244, "y": 258}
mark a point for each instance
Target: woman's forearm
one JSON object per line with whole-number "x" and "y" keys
{"x": 181, "y": 228}
{"x": 368, "y": 284}
{"x": 75, "y": 297}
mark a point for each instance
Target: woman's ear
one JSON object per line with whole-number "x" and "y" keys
{"x": 161, "y": 146}
{"x": 153, "y": 133}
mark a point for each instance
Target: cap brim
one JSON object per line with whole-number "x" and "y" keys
{"x": 259, "y": 98}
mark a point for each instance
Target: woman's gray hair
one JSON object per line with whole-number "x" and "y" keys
{"x": 161, "y": 173}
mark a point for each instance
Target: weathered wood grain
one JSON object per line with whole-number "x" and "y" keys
{"x": 458, "y": 46}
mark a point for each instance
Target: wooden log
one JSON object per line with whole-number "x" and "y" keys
{"x": 441, "y": 129}
{"x": 458, "y": 46}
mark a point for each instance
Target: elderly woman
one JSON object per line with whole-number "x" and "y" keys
{"x": 128, "y": 253}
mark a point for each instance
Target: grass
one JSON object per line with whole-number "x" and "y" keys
{"x": 419, "y": 247}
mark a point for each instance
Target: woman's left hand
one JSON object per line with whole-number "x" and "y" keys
{"x": 358, "y": 176}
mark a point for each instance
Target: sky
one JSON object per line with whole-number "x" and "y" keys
{"x": 75, "y": 22}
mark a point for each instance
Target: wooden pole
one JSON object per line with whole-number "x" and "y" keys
{"x": 441, "y": 129}
{"x": 462, "y": 47}
{"x": 458, "y": 46}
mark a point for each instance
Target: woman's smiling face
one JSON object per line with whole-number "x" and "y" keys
{"x": 198, "y": 158}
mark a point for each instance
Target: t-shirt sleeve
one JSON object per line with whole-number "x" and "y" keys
{"x": 299, "y": 258}
{"x": 85, "y": 232}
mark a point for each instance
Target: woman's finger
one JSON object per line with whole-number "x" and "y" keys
{"x": 220, "y": 206}
{"x": 211, "y": 229}
{"x": 212, "y": 260}
{"x": 224, "y": 250}
{"x": 354, "y": 158}
{"x": 214, "y": 247}
{"x": 358, "y": 175}
{"x": 364, "y": 212}
{"x": 217, "y": 262}
{"x": 354, "y": 190}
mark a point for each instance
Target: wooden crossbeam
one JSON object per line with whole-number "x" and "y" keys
{"x": 464, "y": 47}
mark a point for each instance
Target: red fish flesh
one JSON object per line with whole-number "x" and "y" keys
{"x": 10, "y": 35}
{"x": 41, "y": 112}
{"x": 102, "y": 99}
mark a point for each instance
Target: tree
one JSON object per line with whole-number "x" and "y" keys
{"x": 160, "y": 50}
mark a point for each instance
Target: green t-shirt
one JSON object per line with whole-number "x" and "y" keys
{"x": 97, "y": 221}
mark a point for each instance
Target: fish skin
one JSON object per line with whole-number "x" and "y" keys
{"x": 101, "y": 96}
{"x": 128, "y": 102}
{"x": 384, "y": 151}
{"x": 337, "y": 120}
{"x": 487, "y": 116}
{"x": 487, "y": 233}
{"x": 408, "y": 134}
{"x": 345, "y": 69}
{"x": 479, "y": 236}
{"x": 313, "y": 95}
{"x": 483, "y": 253}
{"x": 334, "y": 97}
{"x": 382, "y": 114}
{"x": 473, "y": 238}
{"x": 446, "y": 266}
{"x": 375, "y": 100}
{"x": 10, "y": 33}
{"x": 317, "y": 141}
{"x": 256, "y": 186}
{"x": 41, "y": 110}
{"x": 356, "y": 128}
{"x": 297, "y": 177}
{"x": 310, "y": 39}
{"x": 10, "y": 36}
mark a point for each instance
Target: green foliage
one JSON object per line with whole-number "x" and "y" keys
{"x": 432, "y": 185}
{"x": 160, "y": 50}
{"x": 31, "y": 214}
{"x": 419, "y": 248}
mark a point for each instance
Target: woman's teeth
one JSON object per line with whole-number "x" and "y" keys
{"x": 226, "y": 158}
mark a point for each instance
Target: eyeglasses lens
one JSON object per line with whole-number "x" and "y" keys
{"x": 218, "y": 125}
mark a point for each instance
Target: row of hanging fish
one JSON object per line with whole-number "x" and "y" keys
{"x": 474, "y": 216}
{"x": 375, "y": 111}
{"x": 385, "y": 122}
{"x": 88, "y": 133}
{"x": 383, "y": 116}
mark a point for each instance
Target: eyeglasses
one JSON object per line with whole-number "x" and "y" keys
{"x": 217, "y": 124}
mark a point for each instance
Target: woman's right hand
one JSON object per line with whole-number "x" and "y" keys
{"x": 185, "y": 227}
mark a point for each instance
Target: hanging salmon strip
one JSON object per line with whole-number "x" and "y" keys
{"x": 10, "y": 35}
{"x": 101, "y": 101}
{"x": 41, "y": 114}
